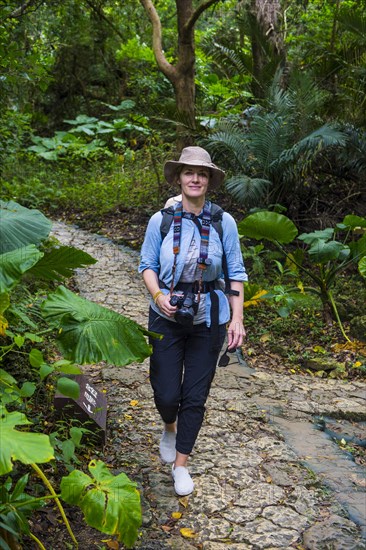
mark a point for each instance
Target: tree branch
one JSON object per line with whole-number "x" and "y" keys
{"x": 195, "y": 15}
{"x": 166, "y": 68}
{"x": 100, "y": 14}
{"x": 21, "y": 10}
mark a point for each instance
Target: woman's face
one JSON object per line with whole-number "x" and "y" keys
{"x": 194, "y": 181}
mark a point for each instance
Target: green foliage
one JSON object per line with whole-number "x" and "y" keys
{"x": 60, "y": 262}
{"x": 66, "y": 440}
{"x": 270, "y": 153}
{"x": 328, "y": 256}
{"x": 270, "y": 226}
{"x": 17, "y": 445}
{"x": 20, "y": 226}
{"x": 329, "y": 38}
{"x": 130, "y": 180}
{"x": 91, "y": 138}
{"x": 14, "y": 264}
{"x": 362, "y": 267}
{"x": 90, "y": 333}
{"x": 16, "y": 506}
{"x": 110, "y": 503}
{"x": 74, "y": 317}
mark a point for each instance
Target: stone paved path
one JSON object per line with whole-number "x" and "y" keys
{"x": 253, "y": 489}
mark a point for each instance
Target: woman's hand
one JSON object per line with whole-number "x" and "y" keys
{"x": 163, "y": 303}
{"x": 236, "y": 331}
{"x": 235, "y": 334}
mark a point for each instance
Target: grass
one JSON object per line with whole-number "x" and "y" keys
{"x": 96, "y": 187}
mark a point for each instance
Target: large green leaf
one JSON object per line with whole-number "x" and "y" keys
{"x": 362, "y": 267}
{"x": 90, "y": 333}
{"x": 23, "y": 446}
{"x": 20, "y": 226}
{"x": 13, "y": 264}
{"x": 268, "y": 225}
{"x": 358, "y": 248}
{"x": 353, "y": 221}
{"x": 60, "y": 262}
{"x": 110, "y": 503}
{"x": 322, "y": 252}
{"x": 322, "y": 234}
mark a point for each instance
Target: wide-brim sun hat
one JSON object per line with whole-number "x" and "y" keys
{"x": 194, "y": 156}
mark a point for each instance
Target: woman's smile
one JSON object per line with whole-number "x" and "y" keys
{"x": 194, "y": 179}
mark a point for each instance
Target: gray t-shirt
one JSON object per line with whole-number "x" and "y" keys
{"x": 191, "y": 272}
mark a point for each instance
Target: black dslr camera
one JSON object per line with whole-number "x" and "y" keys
{"x": 187, "y": 305}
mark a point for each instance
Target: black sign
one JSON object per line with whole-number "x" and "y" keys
{"x": 90, "y": 407}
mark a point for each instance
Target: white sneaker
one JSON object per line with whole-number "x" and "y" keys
{"x": 183, "y": 483}
{"x": 167, "y": 446}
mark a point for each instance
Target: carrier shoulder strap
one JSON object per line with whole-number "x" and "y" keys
{"x": 166, "y": 221}
{"x": 216, "y": 221}
{"x": 168, "y": 216}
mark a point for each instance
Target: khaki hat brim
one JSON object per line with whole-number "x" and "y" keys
{"x": 171, "y": 167}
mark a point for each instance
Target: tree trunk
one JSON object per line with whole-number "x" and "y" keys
{"x": 182, "y": 74}
{"x": 184, "y": 83}
{"x": 265, "y": 16}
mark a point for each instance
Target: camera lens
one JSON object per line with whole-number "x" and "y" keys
{"x": 174, "y": 300}
{"x": 184, "y": 317}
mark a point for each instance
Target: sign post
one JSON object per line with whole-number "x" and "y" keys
{"x": 90, "y": 406}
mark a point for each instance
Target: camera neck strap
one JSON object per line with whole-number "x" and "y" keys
{"x": 203, "y": 222}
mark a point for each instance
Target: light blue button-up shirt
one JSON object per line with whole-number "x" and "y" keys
{"x": 159, "y": 257}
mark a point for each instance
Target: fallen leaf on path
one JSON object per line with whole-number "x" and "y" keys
{"x": 111, "y": 544}
{"x": 176, "y": 515}
{"x": 184, "y": 501}
{"x": 187, "y": 533}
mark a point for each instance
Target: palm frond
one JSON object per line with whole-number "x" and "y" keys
{"x": 299, "y": 101}
{"x": 229, "y": 142}
{"x": 311, "y": 145}
{"x": 246, "y": 190}
{"x": 353, "y": 21}
{"x": 236, "y": 60}
{"x": 270, "y": 135}
{"x": 354, "y": 156}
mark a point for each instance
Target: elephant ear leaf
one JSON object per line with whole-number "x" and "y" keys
{"x": 60, "y": 262}
{"x": 90, "y": 333}
{"x": 16, "y": 262}
{"x": 362, "y": 267}
{"x": 20, "y": 226}
{"x": 354, "y": 222}
{"x": 270, "y": 226}
{"x": 110, "y": 503}
{"x": 26, "y": 447}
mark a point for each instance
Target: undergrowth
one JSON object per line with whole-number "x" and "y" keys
{"x": 296, "y": 343}
{"x": 87, "y": 187}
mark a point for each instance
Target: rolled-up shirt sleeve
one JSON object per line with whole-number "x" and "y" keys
{"x": 150, "y": 250}
{"x": 231, "y": 245}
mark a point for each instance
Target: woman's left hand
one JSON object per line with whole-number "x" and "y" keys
{"x": 235, "y": 334}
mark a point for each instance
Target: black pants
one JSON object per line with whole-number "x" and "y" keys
{"x": 182, "y": 367}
